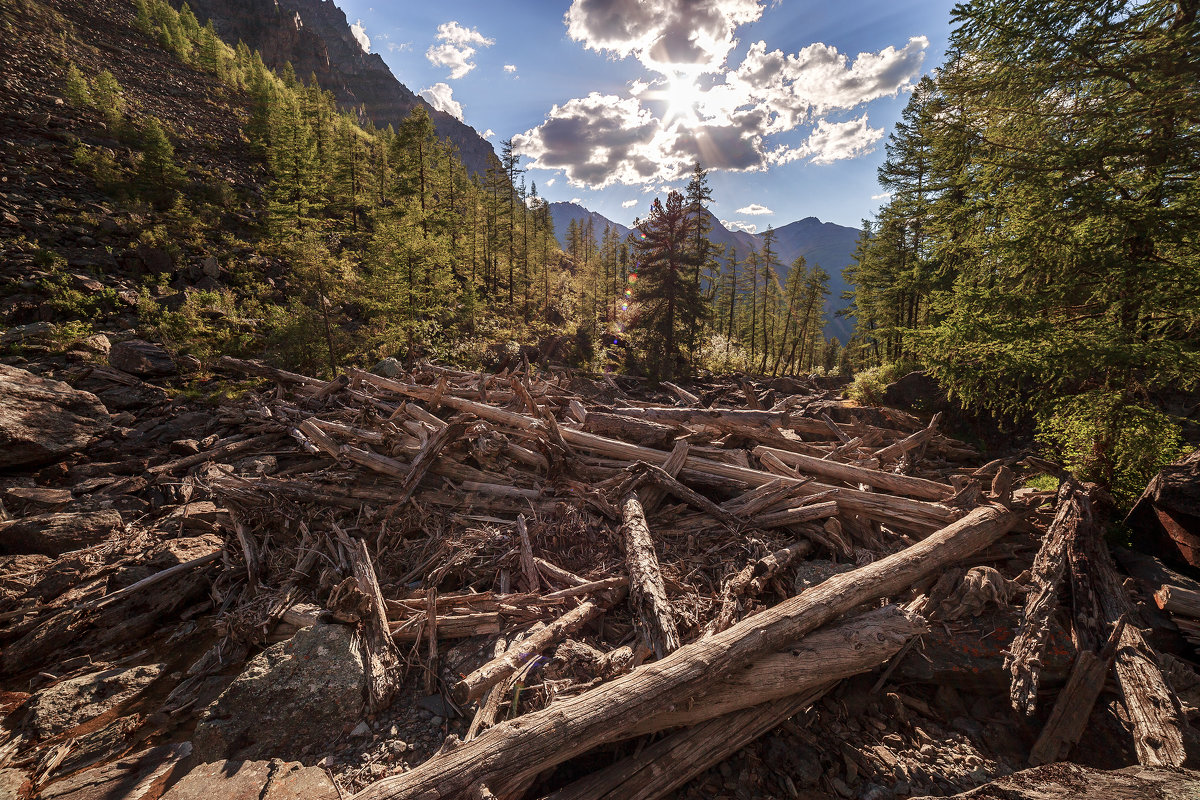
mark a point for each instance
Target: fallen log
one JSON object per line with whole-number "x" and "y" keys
{"x": 762, "y": 568}
{"x": 835, "y": 470}
{"x": 646, "y": 589}
{"x": 671, "y": 762}
{"x": 851, "y": 647}
{"x": 539, "y": 740}
{"x": 473, "y": 686}
{"x": 1024, "y": 661}
{"x": 1075, "y": 702}
{"x": 381, "y": 660}
{"x": 1178, "y": 600}
{"x": 630, "y": 429}
{"x": 901, "y": 512}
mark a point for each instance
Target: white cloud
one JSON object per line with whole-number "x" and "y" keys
{"x": 666, "y": 35}
{"x": 360, "y": 34}
{"x": 738, "y": 225}
{"x": 740, "y": 118}
{"x": 441, "y": 97}
{"x": 833, "y": 141}
{"x": 577, "y": 201}
{"x": 551, "y": 181}
{"x": 398, "y": 47}
{"x": 489, "y": 133}
{"x": 819, "y": 79}
{"x": 456, "y": 48}
{"x": 510, "y": 67}
{"x": 755, "y": 208}
{"x": 882, "y": 196}
{"x": 630, "y": 203}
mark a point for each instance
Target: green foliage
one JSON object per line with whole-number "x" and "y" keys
{"x": 1109, "y": 438}
{"x": 75, "y": 87}
{"x": 64, "y": 297}
{"x": 869, "y": 385}
{"x": 108, "y": 98}
{"x": 99, "y": 165}
{"x": 158, "y": 174}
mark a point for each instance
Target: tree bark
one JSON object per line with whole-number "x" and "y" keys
{"x": 646, "y": 590}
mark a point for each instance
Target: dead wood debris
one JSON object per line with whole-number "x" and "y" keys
{"x": 540, "y": 547}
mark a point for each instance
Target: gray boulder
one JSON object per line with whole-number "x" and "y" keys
{"x": 293, "y": 698}
{"x": 42, "y": 420}
{"x": 139, "y": 357}
{"x": 388, "y": 368}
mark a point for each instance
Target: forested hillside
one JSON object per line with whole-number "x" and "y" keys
{"x": 1040, "y": 252}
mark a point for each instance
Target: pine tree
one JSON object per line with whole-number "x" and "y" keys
{"x": 667, "y": 294}
{"x": 158, "y": 173}
{"x": 75, "y": 87}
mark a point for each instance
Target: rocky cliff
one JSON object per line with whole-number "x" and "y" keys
{"x": 315, "y": 37}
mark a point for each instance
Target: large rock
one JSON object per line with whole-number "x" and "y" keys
{"x": 42, "y": 420}
{"x": 72, "y": 702}
{"x": 294, "y": 697}
{"x": 916, "y": 391}
{"x": 254, "y": 780}
{"x": 1065, "y": 781}
{"x": 55, "y": 534}
{"x": 1166, "y": 518}
{"x": 139, "y": 357}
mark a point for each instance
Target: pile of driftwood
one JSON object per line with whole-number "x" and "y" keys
{"x": 598, "y": 564}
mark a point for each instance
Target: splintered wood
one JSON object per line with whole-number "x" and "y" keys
{"x": 571, "y": 564}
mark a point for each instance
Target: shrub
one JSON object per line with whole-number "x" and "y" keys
{"x": 1109, "y": 438}
{"x": 76, "y": 89}
{"x": 869, "y": 385}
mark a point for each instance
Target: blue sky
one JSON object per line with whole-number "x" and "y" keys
{"x": 787, "y": 103}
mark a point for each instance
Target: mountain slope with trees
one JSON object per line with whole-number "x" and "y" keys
{"x": 1041, "y": 250}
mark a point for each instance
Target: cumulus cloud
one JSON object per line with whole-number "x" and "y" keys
{"x": 360, "y": 34}
{"x": 771, "y": 108}
{"x": 551, "y": 181}
{"x": 755, "y": 208}
{"x": 455, "y": 48}
{"x": 630, "y": 203}
{"x": 665, "y": 35}
{"x": 819, "y": 78}
{"x": 489, "y": 133}
{"x": 441, "y": 97}
{"x": 510, "y": 67}
{"x": 882, "y": 196}
{"x": 833, "y": 141}
{"x": 738, "y": 225}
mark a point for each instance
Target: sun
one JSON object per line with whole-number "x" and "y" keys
{"x": 682, "y": 95}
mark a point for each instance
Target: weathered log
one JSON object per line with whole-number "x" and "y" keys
{"x": 426, "y": 458}
{"x": 855, "y": 645}
{"x": 381, "y": 660}
{"x": 1072, "y": 519}
{"x": 683, "y": 394}
{"x": 664, "y": 480}
{"x": 1075, "y": 702}
{"x": 900, "y": 512}
{"x": 539, "y": 740}
{"x": 629, "y": 429}
{"x": 472, "y": 686}
{"x": 1177, "y": 600}
{"x": 646, "y": 590}
{"x": 765, "y": 567}
{"x": 797, "y": 515}
{"x": 652, "y": 496}
{"x": 1075, "y": 782}
{"x": 529, "y": 570}
{"x": 888, "y": 481}
{"x": 669, "y": 763}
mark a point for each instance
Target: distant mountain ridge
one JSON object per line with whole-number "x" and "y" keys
{"x": 825, "y": 243}
{"x": 315, "y": 36}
